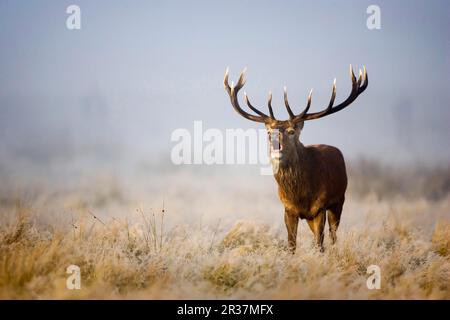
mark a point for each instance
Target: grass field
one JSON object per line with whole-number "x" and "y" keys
{"x": 221, "y": 236}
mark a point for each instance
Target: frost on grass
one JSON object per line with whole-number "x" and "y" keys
{"x": 247, "y": 260}
{"x": 220, "y": 236}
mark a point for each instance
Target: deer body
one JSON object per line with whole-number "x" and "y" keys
{"x": 312, "y": 180}
{"x": 310, "y": 184}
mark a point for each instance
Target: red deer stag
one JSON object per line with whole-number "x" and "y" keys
{"x": 311, "y": 179}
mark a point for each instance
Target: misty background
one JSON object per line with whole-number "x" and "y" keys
{"x": 113, "y": 92}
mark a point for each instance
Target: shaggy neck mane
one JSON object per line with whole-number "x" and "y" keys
{"x": 293, "y": 175}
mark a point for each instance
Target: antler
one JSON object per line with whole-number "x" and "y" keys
{"x": 233, "y": 91}
{"x": 358, "y": 86}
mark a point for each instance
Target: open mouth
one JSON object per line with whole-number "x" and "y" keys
{"x": 276, "y": 150}
{"x": 277, "y": 146}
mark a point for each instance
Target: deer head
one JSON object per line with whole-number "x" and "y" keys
{"x": 284, "y": 134}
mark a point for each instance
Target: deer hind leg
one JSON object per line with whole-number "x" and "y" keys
{"x": 291, "y": 226}
{"x": 317, "y": 226}
{"x": 334, "y": 217}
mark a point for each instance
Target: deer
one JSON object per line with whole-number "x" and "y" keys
{"x": 312, "y": 179}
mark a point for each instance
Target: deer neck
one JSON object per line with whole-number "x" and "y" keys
{"x": 292, "y": 174}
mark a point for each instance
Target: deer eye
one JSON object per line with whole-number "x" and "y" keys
{"x": 290, "y": 132}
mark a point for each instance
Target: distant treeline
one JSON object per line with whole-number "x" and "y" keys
{"x": 372, "y": 177}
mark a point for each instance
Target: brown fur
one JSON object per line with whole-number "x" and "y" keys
{"x": 311, "y": 180}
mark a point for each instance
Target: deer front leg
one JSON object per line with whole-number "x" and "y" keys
{"x": 334, "y": 217}
{"x": 317, "y": 226}
{"x": 291, "y": 221}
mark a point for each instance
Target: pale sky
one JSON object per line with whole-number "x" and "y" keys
{"x": 137, "y": 70}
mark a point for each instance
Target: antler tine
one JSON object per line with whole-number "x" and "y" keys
{"x": 330, "y": 104}
{"x": 360, "y": 76}
{"x": 225, "y": 81}
{"x": 300, "y": 116}
{"x": 333, "y": 95}
{"x": 352, "y": 76}
{"x": 252, "y": 107}
{"x": 269, "y": 105}
{"x": 357, "y": 89}
{"x": 286, "y": 103}
{"x": 366, "y": 80}
{"x": 241, "y": 80}
{"x": 233, "y": 91}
